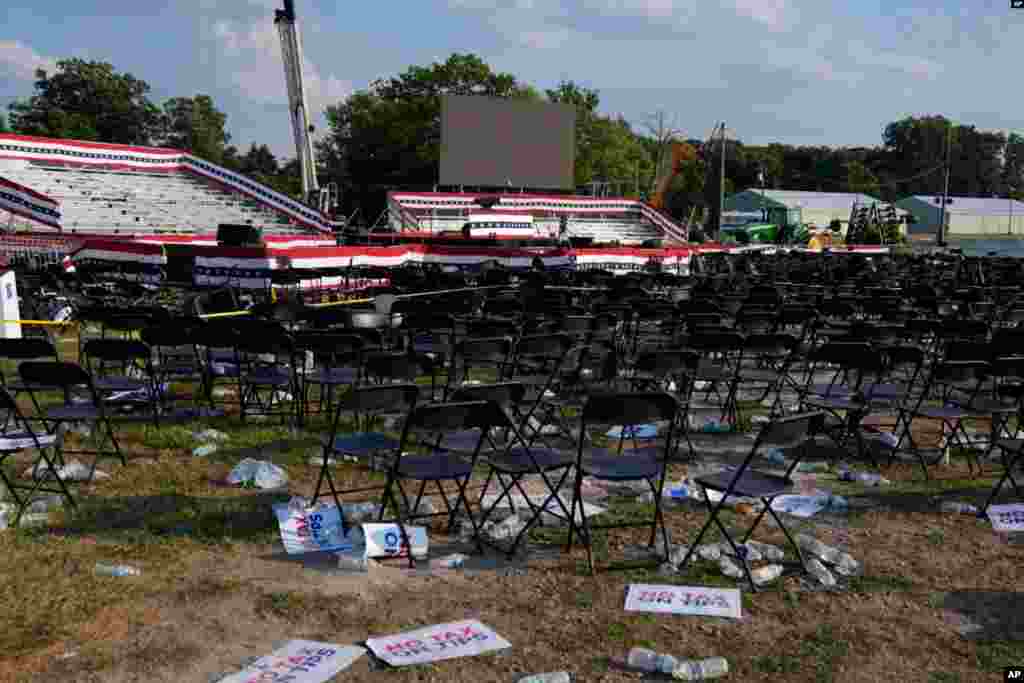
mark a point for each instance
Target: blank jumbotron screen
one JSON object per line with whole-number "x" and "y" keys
{"x": 490, "y": 141}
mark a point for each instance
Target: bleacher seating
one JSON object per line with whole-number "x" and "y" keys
{"x": 124, "y": 202}
{"x": 625, "y": 228}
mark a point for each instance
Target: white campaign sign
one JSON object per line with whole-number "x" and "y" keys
{"x": 1007, "y": 517}
{"x": 299, "y": 661}
{"x": 385, "y": 540}
{"x": 708, "y": 602}
{"x": 312, "y": 529}
{"x": 434, "y": 643}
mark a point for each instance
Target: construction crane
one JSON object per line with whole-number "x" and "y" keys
{"x": 323, "y": 199}
{"x": 682, "y": 154}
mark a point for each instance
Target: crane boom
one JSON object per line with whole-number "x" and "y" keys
{"x": 291, "y": 52}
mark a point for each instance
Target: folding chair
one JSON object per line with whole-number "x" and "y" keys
{"x": 176, "y": 358}
{"x": 510, "y": 459}
{"x": 538, "y": 361}
{"x": 423, "y": 430}
{"x": 336, "y": 363}
{"x": 268, "y": 373}
{"x": 132, "y": 383}
{"x": 20, "y": 439}
{"x": 489, "y": 354}
{"x": 792, "y": 433}
{"x": 20, "y": 350}
{"x": 90, "y": 408}
{"x": 365, "y": 403}
{"x": 1011, "y": 452}
{"x": 642, "y": 464}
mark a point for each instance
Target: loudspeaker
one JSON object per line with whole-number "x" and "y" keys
{"x": 235, "y": 235}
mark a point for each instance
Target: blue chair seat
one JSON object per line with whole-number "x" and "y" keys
{"x": 364, "y": 443}
{"x": 434, "y": 467}
{"x": 120, "y": 383}
{"x": 944, "y": 413}
{"x": 269, "y": 377}
{"x": 22, "y": 440}
{"x": 85, "y": 411}
{"x": 333, "y": 376}
{"x": 632, "y": 466}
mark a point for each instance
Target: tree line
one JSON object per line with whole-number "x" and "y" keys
{"x": 388, "y": 136}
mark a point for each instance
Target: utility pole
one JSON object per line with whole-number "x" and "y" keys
{"x": 721, "y": 185}
{"x": 945, "y": 190}
{"x": 1009, "y": 226}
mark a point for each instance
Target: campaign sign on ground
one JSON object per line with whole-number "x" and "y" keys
{"x": 312, "y": 529}
{"x": 385, "y": 540}
{"x": 434, "y": 643}
{"x": 698, "y": 600}
{"x": 299, "y": 661}
{"x": 1007, "y": 517}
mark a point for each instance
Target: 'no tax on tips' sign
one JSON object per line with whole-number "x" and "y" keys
{"x": 698, "y": 600}
{"x": 299, "y": 661}
{"x": 434, "y": 643}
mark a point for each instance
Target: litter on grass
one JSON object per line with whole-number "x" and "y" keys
{"x": 299, "y": 661}
{"x": 694, "y": 600}
{"x": 435, "y": 643}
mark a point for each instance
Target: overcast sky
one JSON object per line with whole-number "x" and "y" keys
{"x": 793, "y": 71}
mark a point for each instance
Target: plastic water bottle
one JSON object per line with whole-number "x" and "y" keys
{"x": 204, "y": 450}
{"x": 555, "y": 677}
{"x": 353, "y": 563}
{"x": 765, "y": 574}
{"x": 959, "y": 508}
{"x": 776, "y": 457}
{"x": 701, "y": 669}
{"x": 105, "y": 569}
{"x": 816, "y": 569}
{"x": 651, "y": 661}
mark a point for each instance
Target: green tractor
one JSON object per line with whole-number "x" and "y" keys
{"x": 778, "y": 225}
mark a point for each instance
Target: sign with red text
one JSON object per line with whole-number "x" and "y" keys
{"x": 434, "y": 643}
{"x": 299, "y": 661}
{"x": 698, "y": 600}
{"x": 1007, "y": 518}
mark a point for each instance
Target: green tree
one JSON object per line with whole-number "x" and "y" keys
{"x": 389, "y": 135}
{"x": 197, "y": 126}
{"x": 259, "y": 161}
{"x": 588, "y": 130}
{"x": 88, "y": 100}
{"x": 3, "y": 124}
{"x": 1013, "y": 166}
{"x": 860, "y": 179}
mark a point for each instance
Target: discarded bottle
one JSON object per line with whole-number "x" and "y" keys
{"x": 554, "y": 677}
{"x": 455, "y": 561}
{"x": 353, "y": 563}
{"x": 701, "y": 669}
{"x": 204, "y": 450}
{"x": 105, "y": 569}
{"x": 816, "y": 569}
{"x": 959, "y": 508}
{"x": 765, "y": 574}
{"x": 871, "y": 479}
{"x": 651, "y": 661}
{"x": 776, "y": 457}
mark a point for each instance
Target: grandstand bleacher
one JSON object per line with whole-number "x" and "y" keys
{"x": 120, "y": 190}
{"x": 605, "y": 220}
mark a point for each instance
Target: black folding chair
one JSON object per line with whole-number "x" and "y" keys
{"x": 336, "y": 363}
{"x": 365, "y": 405}
{"x": 88, "y": 407}
{"x": 419, "y": 459}
{"x": 1011, "y": 452}
{"x": 22, "y": 438}
{"x": 123, "y": 374}
{"x": 20, "y": 350}
{"x": 792, "y": 433}
{"x": 641, "y": 464}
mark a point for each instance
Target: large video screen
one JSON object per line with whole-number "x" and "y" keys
{"x": 497, "y": 142}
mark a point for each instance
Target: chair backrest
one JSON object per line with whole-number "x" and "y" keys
{"x": 54, "y": 374}
{"x": 380, "y": 398}
{"x": 503, "y": 394}
{"x": 329, "y": 345}
{"x": 630, "y": 408}
{"x": 387, "y": 365}
{"x": 117, "y": 350}
{"x": 791, "y": 431}
{"x": 180, "y": 332}
{"x": 27, "y": 348}
{"x": 445, "y": 417}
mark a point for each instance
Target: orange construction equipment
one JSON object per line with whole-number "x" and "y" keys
{"x": 682, "y": 154}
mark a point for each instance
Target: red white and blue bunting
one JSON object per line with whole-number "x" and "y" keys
{"x": 27, "y": 203}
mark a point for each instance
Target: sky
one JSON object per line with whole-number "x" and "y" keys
{"x": 799, "y": 72}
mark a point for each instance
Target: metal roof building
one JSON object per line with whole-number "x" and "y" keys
{"x": 816, "y": 208}
{"x": 965, "y": 216}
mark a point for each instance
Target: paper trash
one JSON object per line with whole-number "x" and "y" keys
{"x": 1007, "y": 518}
{"x": 699, "y": 600}
{"x": 311, "y": 529}
{"x": 299, "y": 661}
{"x": 434, "y": 643}
{"x": 262, "y": 474}
{"x": 385, "y": 540}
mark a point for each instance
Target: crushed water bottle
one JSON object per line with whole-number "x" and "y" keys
{"x": 105, "y": 569}
{"x": 701, "y": 669}
{"x": 653, "y": 662}
{"x": 765, "y": 574}
{"x": 775, "y": 456}
{"x": 204, "y": 450}
{"x": 959, "y": 508}
{"x": 554, "y": 677}
{"x": 816, "y": 569}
